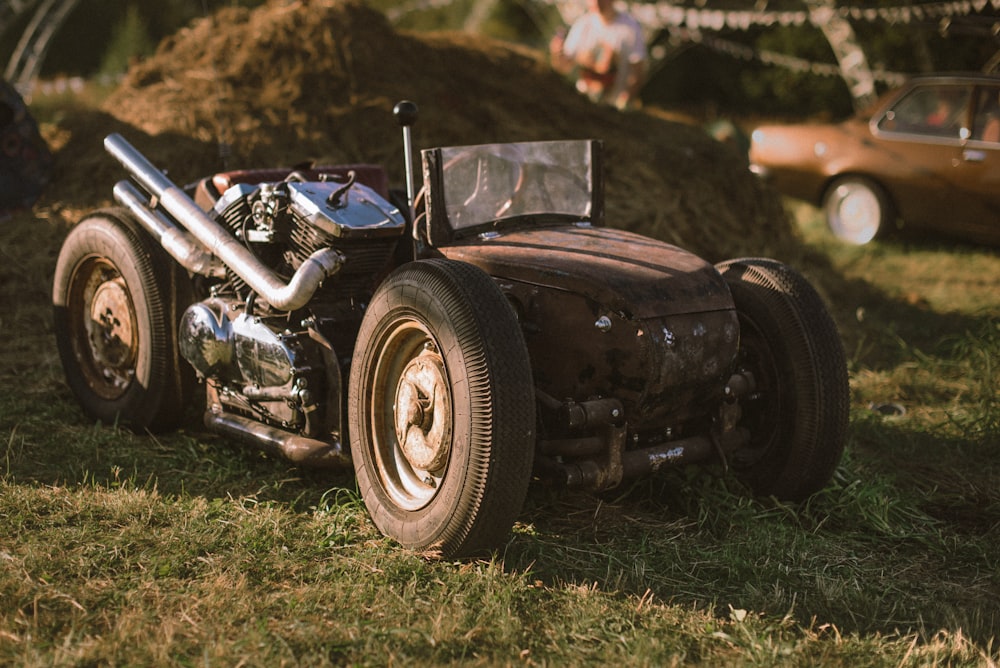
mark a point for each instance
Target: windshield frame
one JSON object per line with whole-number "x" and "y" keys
{"x": 519, "y": 169}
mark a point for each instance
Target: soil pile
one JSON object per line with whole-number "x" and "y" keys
{"x": 292, "y": 81}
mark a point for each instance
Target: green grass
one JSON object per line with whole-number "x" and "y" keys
{"x": 181, "y": 549}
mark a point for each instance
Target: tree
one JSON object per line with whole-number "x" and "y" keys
{"x": 129, "y": 40}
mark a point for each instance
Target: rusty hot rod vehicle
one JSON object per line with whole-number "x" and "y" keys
{"x": 453, "y": 343}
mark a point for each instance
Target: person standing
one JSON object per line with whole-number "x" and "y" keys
{"x": 606, "y": 49}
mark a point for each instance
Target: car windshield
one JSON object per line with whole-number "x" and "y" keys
{"x": 493, "y": 182}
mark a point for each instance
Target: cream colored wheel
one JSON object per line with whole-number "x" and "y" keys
{"x": 411, "y": 418}
{"x": 857, "y": 210}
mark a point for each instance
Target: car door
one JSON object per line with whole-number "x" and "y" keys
{"x": 977, "y": 169}
{"x": 922, "y": 136}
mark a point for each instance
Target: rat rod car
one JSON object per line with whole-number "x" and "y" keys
{"x": 486, "y": 331}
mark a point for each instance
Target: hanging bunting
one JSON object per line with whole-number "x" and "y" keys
{"x": 669, "y": 14}
{"x": 688, "y": 22}
{"x": 665, "y": 14}
{"x": 775, "y": 59}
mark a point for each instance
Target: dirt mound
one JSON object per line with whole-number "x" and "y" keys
{"x": 318, "y": 80}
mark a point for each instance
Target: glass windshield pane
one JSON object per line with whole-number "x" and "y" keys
{"x": 493, "y": 182}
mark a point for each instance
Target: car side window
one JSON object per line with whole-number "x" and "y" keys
{"x": 986, "y": 123}
{"x": 937, "y": 111}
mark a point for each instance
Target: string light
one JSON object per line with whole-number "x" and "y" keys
{"x": 691, "y": 22}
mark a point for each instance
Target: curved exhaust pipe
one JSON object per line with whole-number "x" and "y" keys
{"x": 217, "y": 240}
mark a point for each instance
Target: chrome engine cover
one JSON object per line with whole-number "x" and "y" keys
{"x": 284, "y": 223}
{"x": 206, "y": 338}
{"x": 238, "y": 349}
{"x": 256, "y": 367}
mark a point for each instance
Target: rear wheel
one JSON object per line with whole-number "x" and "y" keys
{"x": 798, "y": 413}
{"x": 441, "y": 409}
{"x": 116, "y": 296}
{"x": 857, "y": 210}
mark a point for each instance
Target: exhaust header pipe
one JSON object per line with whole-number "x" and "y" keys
{"x": 216, "y": 239}
{"x": 176, "y": 241}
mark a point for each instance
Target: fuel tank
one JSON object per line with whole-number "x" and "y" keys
{"x": 609, "y": 313}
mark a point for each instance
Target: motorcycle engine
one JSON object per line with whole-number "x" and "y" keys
{"x": 284, "y": 223}
{"x": 282, "y": 368}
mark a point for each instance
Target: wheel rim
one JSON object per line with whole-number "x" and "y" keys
{"x": 104, "y": 328}
{"x": 411, "y": 416}
{"x": 855, "y": 213}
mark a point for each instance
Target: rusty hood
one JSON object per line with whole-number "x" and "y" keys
{"x": 627, "y": 273}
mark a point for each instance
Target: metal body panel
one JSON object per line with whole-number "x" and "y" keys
{"x": 624, "y": 272}
{"x": 607, "y": 313}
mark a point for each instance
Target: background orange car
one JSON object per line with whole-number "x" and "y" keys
{"x": 927, "y": 157}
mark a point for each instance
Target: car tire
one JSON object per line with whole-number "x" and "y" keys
{"x": 857, "y": 210}
{"x": 116, "y": 296}
{"x": 797, "y": 414}
{"x": 441, "y": 410}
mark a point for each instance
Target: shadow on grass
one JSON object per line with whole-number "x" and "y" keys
{"x": 880, "y": 330}
{"x": 898, "y": 542}
{"x": 59, "y": 448}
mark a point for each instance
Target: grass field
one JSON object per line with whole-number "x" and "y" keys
{"x": 179, "y": 549}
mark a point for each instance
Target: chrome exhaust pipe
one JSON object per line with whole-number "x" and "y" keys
{"x": 219, "y": 242}
{"x": 177, "y": 242}
{"x": 299, "y": 450}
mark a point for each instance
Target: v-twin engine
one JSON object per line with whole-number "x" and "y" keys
{"x": 285, "y": 223}
{"x": 269, "y": 367}
{"x": 290, "y": 266}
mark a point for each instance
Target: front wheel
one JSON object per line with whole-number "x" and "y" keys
{"x": 116, "y": 296}
{"x": 798, "y": 412}
{"x": 441, "y": 409}
{"x": 857, "y": 210}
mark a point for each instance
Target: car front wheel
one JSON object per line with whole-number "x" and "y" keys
{"x": 797, "y": 414}
{"x": 857, "y": 210}
{"x": 441, "y": 410}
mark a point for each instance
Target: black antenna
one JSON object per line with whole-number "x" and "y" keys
{"x": 406, "y": 115}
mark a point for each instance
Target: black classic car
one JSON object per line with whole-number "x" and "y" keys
{"x": 453, "y": 343}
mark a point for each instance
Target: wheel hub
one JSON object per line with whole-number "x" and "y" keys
{"x": 858, "y": 213}
{"x": 111, "y": 330}
{"x": 422, "y": 413}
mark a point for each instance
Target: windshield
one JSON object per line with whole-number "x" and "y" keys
{"x": 492, "y": 182}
